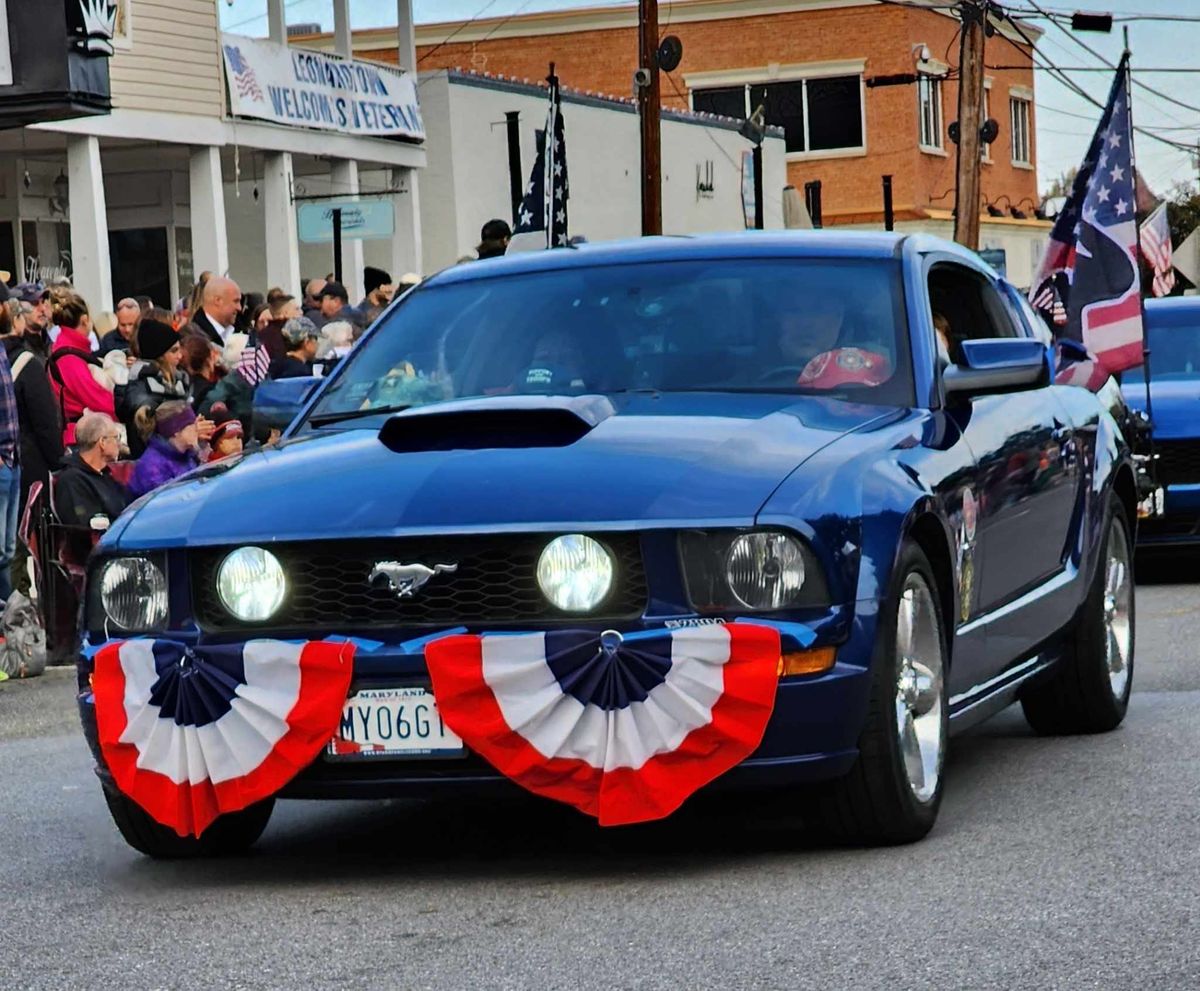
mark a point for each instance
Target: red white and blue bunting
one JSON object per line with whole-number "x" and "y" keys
{"x": 623, "y": 728}
{"x": 192, "y": 734}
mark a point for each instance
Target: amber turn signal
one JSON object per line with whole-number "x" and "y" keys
{"x": 807, "y": 661}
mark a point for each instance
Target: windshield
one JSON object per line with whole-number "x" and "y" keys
{"x": 1174, "y": 352}
{"x": 831, "y": 327}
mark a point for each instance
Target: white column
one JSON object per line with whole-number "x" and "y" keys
{"x": 343, "y": 39}
{"x": 206, "y": 194}
{"x": 277, "y": 21}
{"x": 406, "y": 242}
{"x": 89, "y": 223}
{"x": 343, "y": 176}
{"x": 279, "y": 215}
{"x": 407, "y": 39}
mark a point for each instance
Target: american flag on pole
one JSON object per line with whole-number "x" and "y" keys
{"x": 1156, "y": 247}
{"x": 1094, "y": 244}
{"x": 544, "y": 207}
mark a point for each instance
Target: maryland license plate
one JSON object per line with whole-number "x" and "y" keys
{"x": 393, "y": 722}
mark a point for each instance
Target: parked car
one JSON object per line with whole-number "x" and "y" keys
{"x": 757, "y": 426}
{"x": 1172, "y": 517}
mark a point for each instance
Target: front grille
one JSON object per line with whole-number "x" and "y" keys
{"x": 495, "y": 583}
{"x": 1178, "y": 462}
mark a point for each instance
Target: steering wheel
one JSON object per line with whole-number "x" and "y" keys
{"x": 791, "y": 373}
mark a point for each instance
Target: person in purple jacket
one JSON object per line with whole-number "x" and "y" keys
{"x": 172, "y": 450}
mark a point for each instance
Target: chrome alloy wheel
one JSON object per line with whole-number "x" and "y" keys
{"x": 920, "y": 685}
{"x": 1118, "y": 606}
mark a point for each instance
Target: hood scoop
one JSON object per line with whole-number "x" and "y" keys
{"x": 495, "y": 422}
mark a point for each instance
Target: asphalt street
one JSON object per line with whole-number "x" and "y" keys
{"x": 1056, "y": 863}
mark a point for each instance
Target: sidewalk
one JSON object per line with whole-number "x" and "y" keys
{"x": 43, "y": 706}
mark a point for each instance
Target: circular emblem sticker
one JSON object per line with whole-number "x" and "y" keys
{"x": 970, "y": 515}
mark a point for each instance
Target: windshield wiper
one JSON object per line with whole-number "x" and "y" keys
{"x": 323, "y": 419}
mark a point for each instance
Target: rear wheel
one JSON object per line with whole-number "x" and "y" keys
{"x": 1089, "y": 689}
{"x": 231, "y": 834}
{"x": 893, "y": 792}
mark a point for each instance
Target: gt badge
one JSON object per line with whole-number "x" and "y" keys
{"x": 406, "y": 579}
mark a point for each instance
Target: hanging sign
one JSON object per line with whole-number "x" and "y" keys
{"x": 362, "y": 220}
{"x": 304, "y": 88}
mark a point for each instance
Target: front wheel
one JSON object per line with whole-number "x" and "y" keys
{"x": 893, "y": 792}
{"x": 1089, "y": 689}
{"x": 230, "y": 834}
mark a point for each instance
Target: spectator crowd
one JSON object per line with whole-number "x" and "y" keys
{"x": 114, "y": 405}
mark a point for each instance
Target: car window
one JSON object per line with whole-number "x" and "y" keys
{"x": 966, "y": 305}
{"x": 818, "y": 326}
{"x": 1174, "y": 351}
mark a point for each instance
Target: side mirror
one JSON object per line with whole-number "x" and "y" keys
{"x": 277, "y": 402}
{"x": 998, "y": 365}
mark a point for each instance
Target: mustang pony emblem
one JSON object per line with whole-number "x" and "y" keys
{"x": 405, "y": 579}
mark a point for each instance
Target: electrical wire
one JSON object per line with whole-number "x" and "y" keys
{"x": 1090, "y": 50}
{"x": 1041, "y": 63}
{"x": 462, "y": 26}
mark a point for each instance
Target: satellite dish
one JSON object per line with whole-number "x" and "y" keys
{"x": 670, "y": 53}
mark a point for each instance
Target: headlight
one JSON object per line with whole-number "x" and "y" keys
{"x": 251, "y": 584}
{"x": 733, "y": 571}
{"x": 575, "y": 573}
{"x": 133, "y": 593}
{"x": 765, "y": 570}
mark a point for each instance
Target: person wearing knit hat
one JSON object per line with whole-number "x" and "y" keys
{"x": 172, "y": 450}
{"x": 155, "y": 339}
{"x": 159, "y": 379}
{"x": 228, "y": 434}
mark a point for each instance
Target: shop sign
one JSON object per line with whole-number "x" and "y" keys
{"x": 362, "y": 220}
{"x": 304, "y": 88}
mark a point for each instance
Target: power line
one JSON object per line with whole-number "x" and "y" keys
{"x": 462, "y": 26}
{"x": 258, "y": 17}
{"x": 1090, "y": 50}
{"x": 1067, "y": 81}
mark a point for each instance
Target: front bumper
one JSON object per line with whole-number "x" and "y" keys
{"x": 1179, "y": 524}
{"x": 811, "y": 735}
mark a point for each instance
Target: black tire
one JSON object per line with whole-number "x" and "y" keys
{"x": 874, "y": 803}
{"x": 231, "y": 834}
{"x": 1078, "y": 697}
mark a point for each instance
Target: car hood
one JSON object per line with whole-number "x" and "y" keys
{"x": 1176, "y": 405}
{"x": 661, "y": 459}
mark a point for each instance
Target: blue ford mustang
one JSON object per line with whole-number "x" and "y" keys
{"x": 852, "y": 432}
{"x": 1173, "y": 335}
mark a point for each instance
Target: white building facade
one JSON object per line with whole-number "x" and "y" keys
{"x": 707, "y": 177}
{"x": 172, "y": 183}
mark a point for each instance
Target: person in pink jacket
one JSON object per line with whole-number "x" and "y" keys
{"x": 71, "y": 363}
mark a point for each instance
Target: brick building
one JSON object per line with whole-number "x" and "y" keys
{"x": 814, "y": 66}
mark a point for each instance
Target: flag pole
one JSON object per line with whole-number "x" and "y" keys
{"x": 1126, "y": 60}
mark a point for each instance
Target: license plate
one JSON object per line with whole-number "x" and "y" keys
{"x": 393, "y": 722}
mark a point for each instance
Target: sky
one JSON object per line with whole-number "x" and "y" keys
{"x": 1065, "y": 120}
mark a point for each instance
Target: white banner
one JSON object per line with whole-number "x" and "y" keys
{"x": 6, "y": 73}
{"x": 304, "y": 88}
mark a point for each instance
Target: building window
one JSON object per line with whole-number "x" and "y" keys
{"x": 817, "y": 115}
{"x": 728, "y": 101}
{"x": 929, "y": 102}
{"x": 1019, "y": 116}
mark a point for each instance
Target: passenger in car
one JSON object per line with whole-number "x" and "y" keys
{"x": 809, "y": 339}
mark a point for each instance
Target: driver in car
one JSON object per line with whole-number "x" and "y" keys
{"x": 808, "y": 341}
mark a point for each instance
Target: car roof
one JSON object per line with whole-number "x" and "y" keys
{"x": 747, "y": 244}
{"x": 1173, "y": 311}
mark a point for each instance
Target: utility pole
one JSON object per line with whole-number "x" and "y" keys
{"x": 650, "y": 108}
{"x": 970, "y": 120}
